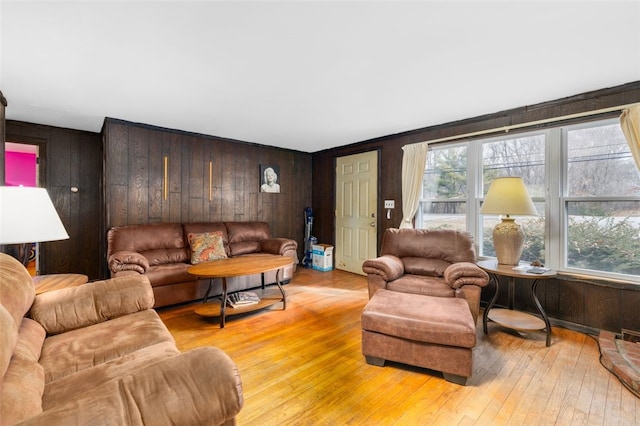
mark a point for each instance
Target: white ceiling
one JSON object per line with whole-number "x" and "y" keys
{"x": 305, "y": 75}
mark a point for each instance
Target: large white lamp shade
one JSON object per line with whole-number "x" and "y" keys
{"x": 508, "y": 196}
{"x": 27, "y": 215}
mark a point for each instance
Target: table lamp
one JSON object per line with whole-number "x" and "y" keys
{"x": 508, "y": 196}
{"x": 28, "y": 216}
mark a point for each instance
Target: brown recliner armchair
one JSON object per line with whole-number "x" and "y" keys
{"x": 428, "y": 262}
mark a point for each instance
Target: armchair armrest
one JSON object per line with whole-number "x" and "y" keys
{"x": 199, "y": 387}
{"x": 388, "y": 266}
{"x": 465, "y": 273}
{"x": 128, "y": 261}
{"x": 76, "y": 307}
{"x": 278, "y": 245}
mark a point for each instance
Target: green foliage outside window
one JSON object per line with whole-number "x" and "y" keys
{"x": 594, "y": 243}
{"x": 604, "y": 245}
{"x": 533, "y": 248}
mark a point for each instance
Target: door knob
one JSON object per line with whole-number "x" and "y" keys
{"x": 372, "y": 224}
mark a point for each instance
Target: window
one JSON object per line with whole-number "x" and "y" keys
{"x": 601, "y": 201}
{"x": 518, "y": 156}
{"x": 582, "y": 179}
{"x": 444, "y": 189}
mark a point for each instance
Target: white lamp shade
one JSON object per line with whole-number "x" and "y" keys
{"x": 508, "y": 196}
{"x": 27, "y": 215}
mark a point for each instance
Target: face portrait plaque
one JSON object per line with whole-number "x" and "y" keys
{"x": 269, "y": 175}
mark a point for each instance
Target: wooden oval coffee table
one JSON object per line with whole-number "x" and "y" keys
{"x": 235, "y": 267}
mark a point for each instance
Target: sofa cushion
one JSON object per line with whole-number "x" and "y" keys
{"x": 66, "y": 309}
{"x": 171, "y": 273}
{"x": 69, "y": 387}
{"x": 422, "y": 266}
{"x": 198, "y": 387}
{"x": 8, "y": 340}
{"x": 247, "y": 231}
{"x": 77, "y": 350}
{"x": 245, "y": 237}
{"x": 145, "y": 237}
{"x": 163, "y": 256}
{"x": 206, "y": 246}
{"x": 244, "y": 247}
{"x": 23, "y": 384}
{"x": 17, "y": 290}
{"x": 30, "y": 340}
{"x": 438, "y": 320}
{"x": 420, "y": 284}
{"x": 445, "y": 244}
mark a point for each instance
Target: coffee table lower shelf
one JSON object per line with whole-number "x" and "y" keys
{"x": 212, "y": 309}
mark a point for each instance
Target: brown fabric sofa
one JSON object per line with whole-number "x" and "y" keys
{"x": 438, "y": 263}
{"x": 98, "y": 354}
{"x": 161, "y": 252}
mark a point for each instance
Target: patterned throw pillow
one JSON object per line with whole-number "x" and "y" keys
{"x": 206, "y": 247}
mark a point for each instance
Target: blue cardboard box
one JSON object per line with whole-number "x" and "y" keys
{"x": 322, "y": 257}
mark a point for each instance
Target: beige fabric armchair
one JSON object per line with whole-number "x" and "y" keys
{"x": 437, "y": 263}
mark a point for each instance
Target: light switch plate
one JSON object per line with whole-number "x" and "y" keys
{"x": 389, "y": 204}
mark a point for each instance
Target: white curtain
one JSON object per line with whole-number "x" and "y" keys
{"x": 414, "y": 159}
{"x": 630, "y": 123}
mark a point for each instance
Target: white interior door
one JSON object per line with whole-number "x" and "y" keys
{"x": 356, "y": 207}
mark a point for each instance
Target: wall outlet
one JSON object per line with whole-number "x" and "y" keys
{"x": 389, "y": 204}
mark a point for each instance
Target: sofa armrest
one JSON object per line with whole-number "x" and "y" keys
{"x": 278, "y": 245}
{"x": 76, "y": 307}
{"x": 198, "y": 387}
{"x": 128, "y": 261}
{"x": 465, "y": 273}
{"x": 388, "y": 266}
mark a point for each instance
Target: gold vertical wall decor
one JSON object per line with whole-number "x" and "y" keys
{"x": 166, "y": 177}
{"x": 210, "y": 180}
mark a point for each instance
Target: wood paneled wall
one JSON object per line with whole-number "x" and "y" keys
{"x": 134, "y": 176}
{"x": 133, "y": 193}
{"x": 569, "y": 300}
{"x": 68, "y": 158}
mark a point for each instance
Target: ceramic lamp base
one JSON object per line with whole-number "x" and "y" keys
{"x": 508, "y": 239}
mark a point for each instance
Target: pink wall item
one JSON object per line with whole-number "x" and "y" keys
{"x": 20, "y": 168}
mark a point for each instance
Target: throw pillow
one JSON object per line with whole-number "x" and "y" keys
{"x": 206, "y": 247}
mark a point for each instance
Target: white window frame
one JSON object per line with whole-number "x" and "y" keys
{"x": 469, "y": 199}
{"x": 480, "y": 181}
{"x": 563, "y": 199}
{"x": 555, "y": 197}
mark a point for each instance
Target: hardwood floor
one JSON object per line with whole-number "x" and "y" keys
{"x": 304, "y": 366}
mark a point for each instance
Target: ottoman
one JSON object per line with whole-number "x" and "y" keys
{"x": 437, "y": 333}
